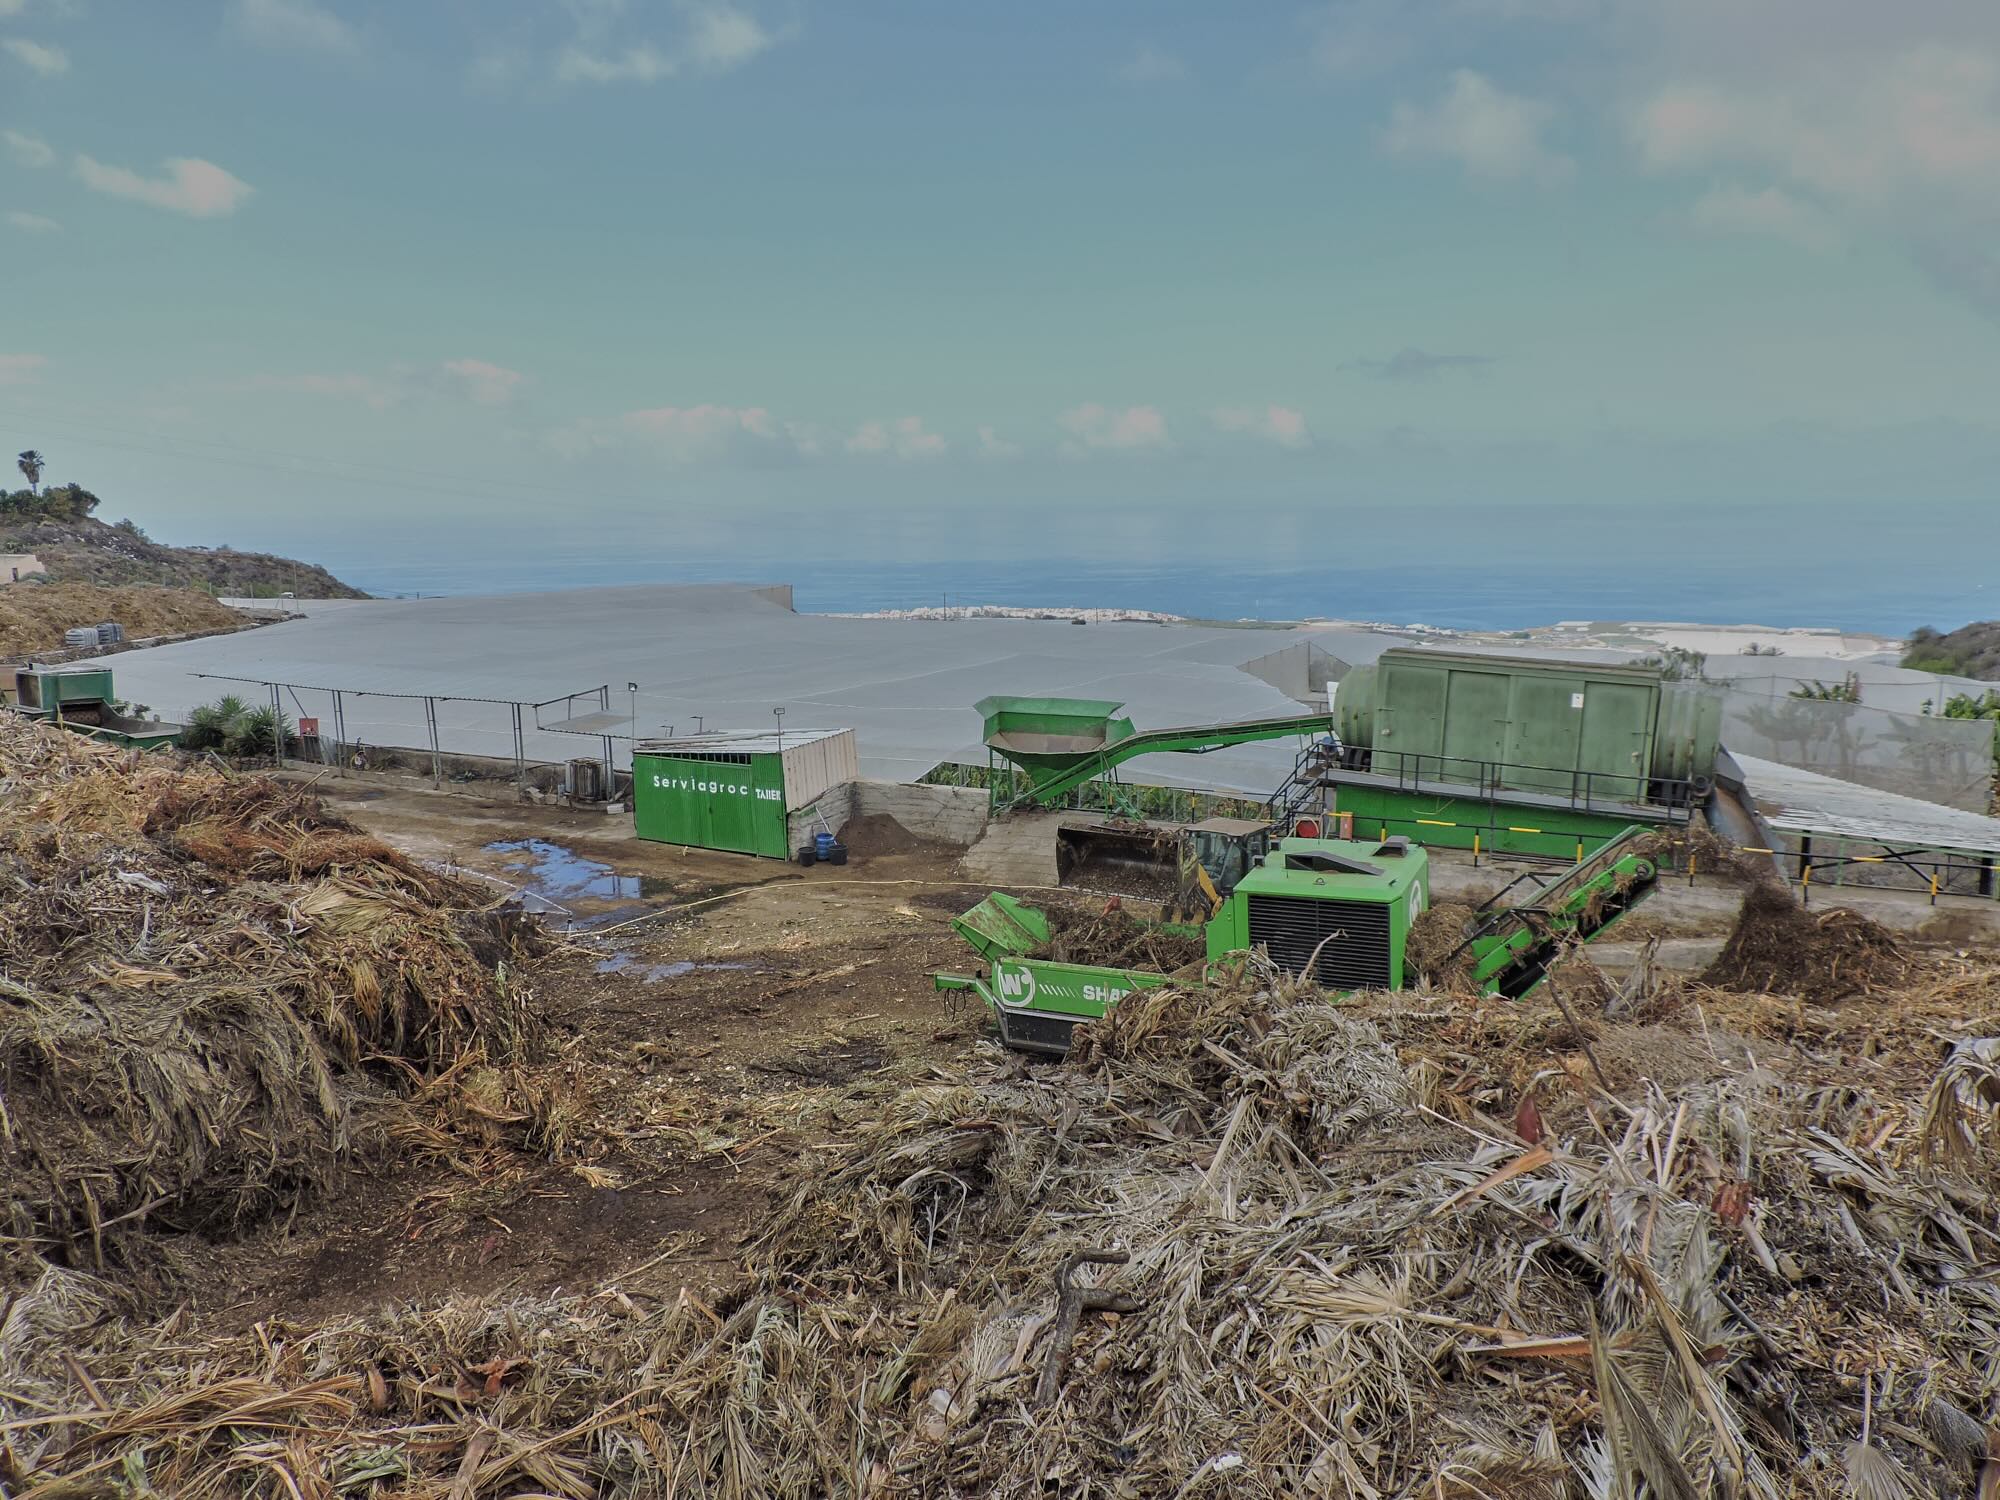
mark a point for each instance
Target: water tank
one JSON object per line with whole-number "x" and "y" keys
{"x": 586, "y": 781}
{"x": 82, "y": 635}
{"x": 110, "y": 633}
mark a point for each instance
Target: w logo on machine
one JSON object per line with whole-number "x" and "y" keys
{"x": 1017, "y": 986}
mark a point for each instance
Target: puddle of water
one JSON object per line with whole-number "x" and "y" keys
{"x": 562, "y": 875}
{"x": 628, "y": 963}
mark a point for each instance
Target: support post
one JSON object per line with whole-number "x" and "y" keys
{"x": 340, "y": 750}
{"x": 604, "y": 706}
{"x": 431, "y": 723}
{"x": 520, "y": 755}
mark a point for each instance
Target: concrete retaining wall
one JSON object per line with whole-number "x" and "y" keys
{"x": 948, "y": 814}
{"x": 835, "y": 805}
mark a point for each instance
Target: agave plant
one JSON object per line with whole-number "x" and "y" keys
{"x": 234, "y": 728}
{"x": 257, "y": 731}
{"x": 208, "y": 726}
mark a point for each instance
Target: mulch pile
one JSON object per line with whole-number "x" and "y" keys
{"x": 1821, "y": 956}
{"x": 875, "y": 834}
{"x": 206, "y": 983}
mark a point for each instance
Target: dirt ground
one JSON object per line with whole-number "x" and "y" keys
{"x": 725, "y": 1015}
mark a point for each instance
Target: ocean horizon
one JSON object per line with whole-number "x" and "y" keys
{"x": 1483, "y": 570}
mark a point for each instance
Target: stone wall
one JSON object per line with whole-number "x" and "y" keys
{"x": 948, "y": 814}
{"x": 835, "y": 804}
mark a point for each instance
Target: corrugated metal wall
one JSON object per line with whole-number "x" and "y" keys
{"x": 718, "y": 802}
{"x": 813, "y": 767}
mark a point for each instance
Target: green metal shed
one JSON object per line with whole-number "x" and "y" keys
{"x": 1604, "y": 731}
{"x": 735, "y": 791}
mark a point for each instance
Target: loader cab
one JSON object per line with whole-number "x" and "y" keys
{"x": 1227, "y": 849}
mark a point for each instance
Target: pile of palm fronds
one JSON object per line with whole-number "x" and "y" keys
{"x": 1112, "y": 937}
{"x": 199, "y": 974}
{"x": 1241, "y": 1242}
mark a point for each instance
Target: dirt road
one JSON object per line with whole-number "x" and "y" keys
{"x": 724, "y": 1017}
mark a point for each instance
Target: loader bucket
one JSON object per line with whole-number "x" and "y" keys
{"x": 1116, "y": 858}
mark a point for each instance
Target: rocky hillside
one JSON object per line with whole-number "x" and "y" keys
{"x": 88, "y": 551}
{"x": 1970, "y": 651}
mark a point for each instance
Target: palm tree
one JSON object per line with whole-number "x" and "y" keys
{"x": 31, "y": 464}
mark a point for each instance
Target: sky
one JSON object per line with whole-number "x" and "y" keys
{"x": 766, "y": 273}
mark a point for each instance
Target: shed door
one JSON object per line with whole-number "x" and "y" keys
{"x": 765, "y": 833}
{"x": 1410, "y": 718}
{"x": 1617, "y": 740}
{"x": 1475, "y": 728}
{"x": 1548, "y": 726}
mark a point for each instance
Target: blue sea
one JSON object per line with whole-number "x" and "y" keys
{"x": 1477, "y": 568}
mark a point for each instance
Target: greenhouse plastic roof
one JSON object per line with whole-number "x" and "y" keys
{"x": 725, "y": 653}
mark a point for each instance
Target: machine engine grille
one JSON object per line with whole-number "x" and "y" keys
{"x": 1355, "y": 958}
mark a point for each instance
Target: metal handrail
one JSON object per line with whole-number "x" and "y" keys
{"x": 1587, "y": 790}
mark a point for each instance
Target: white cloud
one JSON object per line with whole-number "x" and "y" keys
{"x": 19, "y": 369}
{"x": 1862, "y": 130}
{"x": 992, "y": 445}
{"x": 902, "y": 438}
{"x": 706, "y": 433}
{"x": 294, "y": 25}
{"x": 497, "y": 67}
{"x": 47, "y": 61}
{"x": 643, "y": 64}
{"x": 28, "y": 150}
{"x": 1494, "y": 135}
{"x": 1870, "y": 121}
{"x": 200, "y": 189}
{"x": 1150, "y": 65}
{"x": 1278, "y": 424}
{"x": 1131, "y": 428}
{"x": 721, "y": 37}
{"x": 1768, "y": 211}
{"x": 488, "y": 384}
{"x": 715, "y": 38}
{"x": 32, "y": 223}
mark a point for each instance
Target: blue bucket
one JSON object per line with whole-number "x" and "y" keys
{"x": 823, "y": 844}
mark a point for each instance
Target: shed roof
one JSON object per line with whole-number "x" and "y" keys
{"x": 1796, "y": 801}
{"x": 746, "y": 743}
